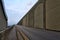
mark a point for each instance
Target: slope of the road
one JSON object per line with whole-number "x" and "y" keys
{"x": 12, "y": 35}
{"x": 38, "y": 34}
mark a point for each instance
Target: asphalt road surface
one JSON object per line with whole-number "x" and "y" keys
{"x": 38, "y": 34}
{"x": 10, "y": 34}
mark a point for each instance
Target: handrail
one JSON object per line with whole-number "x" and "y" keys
{"x": 2, "y": 33}
{"x": 5, "y": 30}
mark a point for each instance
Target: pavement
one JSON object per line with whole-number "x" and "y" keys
{"x": 38, "y": 34}
{"x": 10, "y": 34}
{"x": 26, "y": 33}
{"x": 14, "y": 34}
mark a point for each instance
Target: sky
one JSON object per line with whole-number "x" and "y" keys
{"x": 16, "y": 9}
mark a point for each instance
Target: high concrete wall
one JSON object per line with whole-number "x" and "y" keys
{"x": 24, "y": 21}
{"x": 53, "y": 14}
{"x": 31, "y": 18}
{"x": 35, "y": 16}
{"x": 3, "y": 22}
{"x": 28, "y": 19}
{"x": 38, "y": 16}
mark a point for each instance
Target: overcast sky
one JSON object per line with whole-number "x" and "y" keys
{"x": 16, "y": 9}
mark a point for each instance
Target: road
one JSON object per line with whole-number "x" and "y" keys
{"x": 10, "y": 34}
{"x": 38, "y": 34}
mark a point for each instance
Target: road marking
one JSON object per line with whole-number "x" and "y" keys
{"x": 22, "y": 34}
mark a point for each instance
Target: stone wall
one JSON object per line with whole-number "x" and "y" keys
{"x": 3, "y": 22}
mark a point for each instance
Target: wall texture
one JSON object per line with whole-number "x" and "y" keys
{"x": 38, "y": 16}
{"x": 28, "y": 20}
{"x": 3, "y": 22}
{"x": 35, "y": 17}
{"x": 24, "y": 21}
{"x": 53, "y": 14}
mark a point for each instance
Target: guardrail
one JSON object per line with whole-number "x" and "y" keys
{"x": 3, "y": 33}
